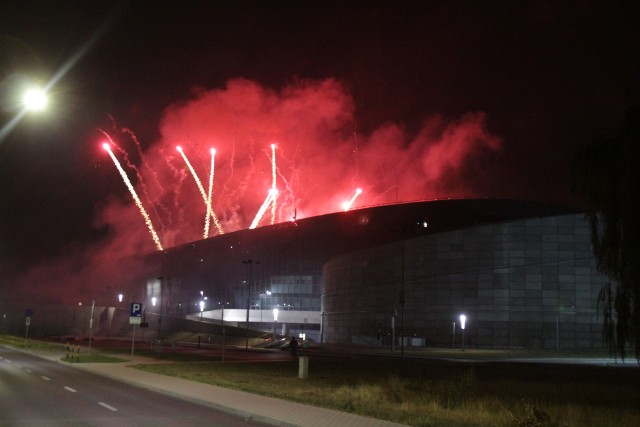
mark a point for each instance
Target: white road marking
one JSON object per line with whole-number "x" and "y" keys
{"x": 109, "y": 407}
{"x": 18, "y": 365}
{"x": 7, "y": 360}
{"x": 70, "y": 389}
{"x": 46, "y": 378}
{"x": 28, "y": 370}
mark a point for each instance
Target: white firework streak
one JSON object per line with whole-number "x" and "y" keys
{"x": 347, "y": 205}
{"x": 273, "y": 182}
{"x": 136, "y": 199}
{"x": 273, "y": 193}
{"x": 206, "y": 200}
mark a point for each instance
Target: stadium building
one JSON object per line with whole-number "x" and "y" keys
{"x": 523, "y": 274}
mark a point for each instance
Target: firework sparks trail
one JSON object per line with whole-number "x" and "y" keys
{"x": 130, "y": 165}
{"x": 136, "y": 199}
{"x": 347, "y": 205}
{"x": 207, "y": 202}
{"x": 273, "y": 193}
{"x": 273, "y": 182}
{"x": 207, "y": 217}
{"x": 210, "y": 198}
{"x": 287, "y": 206}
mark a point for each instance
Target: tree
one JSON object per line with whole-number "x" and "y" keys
{"x": 606, "y": 176}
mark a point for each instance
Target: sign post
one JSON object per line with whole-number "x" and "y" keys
{"x": 135, "y": 318}
{"x": 93, "y": 307}
{"x": 28, "y": 313}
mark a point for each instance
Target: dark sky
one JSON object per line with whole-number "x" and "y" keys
{"x": 544, "y": 78}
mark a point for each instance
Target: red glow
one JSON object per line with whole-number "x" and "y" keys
{"x": 317, "y": 159}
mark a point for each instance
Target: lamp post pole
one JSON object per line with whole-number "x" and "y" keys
{"x": 275, "y": 321}
{"x": 93, "y": 306}
{"x": 160, "y": 279}
{"x": 249, "y": 262}
{"x": 402, "y": 305}
{"x": 463, "y": 322}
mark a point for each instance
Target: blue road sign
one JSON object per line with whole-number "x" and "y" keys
{"x": 136, "y": 309}
{"x": 135, "y": 316}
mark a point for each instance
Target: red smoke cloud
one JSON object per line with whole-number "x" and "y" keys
{"x": 320, "y": 161}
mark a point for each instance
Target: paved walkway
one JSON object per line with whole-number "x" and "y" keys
{"x": 251, "y": 406}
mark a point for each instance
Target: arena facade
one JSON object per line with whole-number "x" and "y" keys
{"x": 522, "y": 273}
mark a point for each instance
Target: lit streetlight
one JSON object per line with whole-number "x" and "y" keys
{"x": 463, "y": 322}
{"x": 34, "y": 99}
{"x": 267, "y": 293}
{"x": 27, "y": 99}
{"x": 221, "y": 304}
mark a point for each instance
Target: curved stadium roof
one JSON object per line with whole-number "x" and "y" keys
{"x": 341, "y": 232}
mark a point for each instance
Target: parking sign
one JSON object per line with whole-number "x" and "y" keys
{"x": 135, "y": 316}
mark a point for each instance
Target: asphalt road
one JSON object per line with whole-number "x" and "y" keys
{"x": 39, "y": 392}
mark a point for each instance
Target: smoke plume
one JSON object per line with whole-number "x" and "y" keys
{"x": 321, "y": 162}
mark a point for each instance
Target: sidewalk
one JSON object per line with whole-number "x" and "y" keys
{"x": 251, "y": 406}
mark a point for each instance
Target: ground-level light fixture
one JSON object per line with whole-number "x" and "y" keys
{"x": 463, "y": 323}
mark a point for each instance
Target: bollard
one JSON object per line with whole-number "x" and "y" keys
{"x": 66, "y": 347}
{"x": 303, "y": 367}
{"x": 77, "y": 353}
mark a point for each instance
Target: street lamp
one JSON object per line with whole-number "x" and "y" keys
{"x": 463, "y": 322}
{"x": 267, "y": 293}
{"x": 202, "y": 303}
{"x": 275, "y": 320}
{"x": 250, "y": 263}
{"x": 34, "y": 99}
{"x": 26, "y": 99}
{"x": 222, "y": 305}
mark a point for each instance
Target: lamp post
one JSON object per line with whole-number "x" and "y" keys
{"x": 275, "y": 320}
{"x": 221, "y": 304}
{"x": 402, "y": 307}
{"x": 401, "y": 294}
{"x": 268, "y": 293}
{"x": 224, "y": 332}
{"x": 463, "y": 322}
{"x": 93, "y": 306}
{"x": 202, "y": 303}
{"x": 250, "y": 263}
{"x": 34, "y": 99}
{"x": 453, "y": 336}
{"x": 160, "y": 279}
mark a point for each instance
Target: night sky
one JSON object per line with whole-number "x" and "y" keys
{"x": 406, "y": 100}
